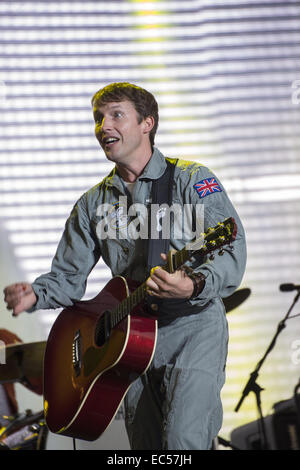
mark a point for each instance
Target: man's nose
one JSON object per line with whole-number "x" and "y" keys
{"x": 106, "y": 124}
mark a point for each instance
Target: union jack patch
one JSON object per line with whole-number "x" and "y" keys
{"x": 207, "y": 186}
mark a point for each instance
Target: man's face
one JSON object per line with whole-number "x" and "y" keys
{"x": 119, "y": 133}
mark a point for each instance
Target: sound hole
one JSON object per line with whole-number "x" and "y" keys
{"x": 103, "y": 329}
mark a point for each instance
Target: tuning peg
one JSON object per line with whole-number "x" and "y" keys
{"x": 212, "y": 257}
{"x": 221, "y": 252}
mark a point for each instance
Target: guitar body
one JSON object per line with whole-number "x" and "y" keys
{"x": 84, "y": 383}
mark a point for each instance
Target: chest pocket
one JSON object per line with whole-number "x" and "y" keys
{"x": 116, "y": 254}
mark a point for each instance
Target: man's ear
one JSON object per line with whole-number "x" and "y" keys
{"x": 148, "y": 124}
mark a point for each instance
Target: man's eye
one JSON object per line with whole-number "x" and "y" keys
{"x": 118, "y": 114}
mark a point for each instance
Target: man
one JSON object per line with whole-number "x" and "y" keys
{"x": 176, "y": 404}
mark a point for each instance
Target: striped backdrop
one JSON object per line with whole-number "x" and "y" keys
{"x": 226, "y": 75}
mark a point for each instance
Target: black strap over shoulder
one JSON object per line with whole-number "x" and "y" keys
{"x": 162, "y": 189}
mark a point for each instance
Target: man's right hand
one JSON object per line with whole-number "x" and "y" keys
{"x": 19, "y": 297}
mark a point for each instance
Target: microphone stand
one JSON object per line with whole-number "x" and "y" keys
{"x": 252, "y": 385}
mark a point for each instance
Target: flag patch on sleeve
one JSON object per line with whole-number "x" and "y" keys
{"x": 207, "y": 186}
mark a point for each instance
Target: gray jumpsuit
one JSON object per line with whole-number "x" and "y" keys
{"x": 176, "y": 403}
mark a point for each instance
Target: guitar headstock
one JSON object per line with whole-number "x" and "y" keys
{"x": 215, "y": 237}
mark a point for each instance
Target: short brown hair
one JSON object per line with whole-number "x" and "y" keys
{"x": 143, "y": 101}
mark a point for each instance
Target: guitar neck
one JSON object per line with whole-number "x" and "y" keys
{"x": 177, "y": 259}
{"x": 214, "y": 238}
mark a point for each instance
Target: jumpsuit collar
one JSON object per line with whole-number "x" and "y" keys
{"x": 153, "y": 170}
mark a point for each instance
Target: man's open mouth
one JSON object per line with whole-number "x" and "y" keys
{"x": 109, "y": 141}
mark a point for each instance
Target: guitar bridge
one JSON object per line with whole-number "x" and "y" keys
{"x": 76, "y": 353}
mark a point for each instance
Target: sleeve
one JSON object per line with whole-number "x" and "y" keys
{"x": 77, "y": 253}
{"x": 223, "y": 274}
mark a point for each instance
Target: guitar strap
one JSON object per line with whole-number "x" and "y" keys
{"x": 162, "y": 189}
